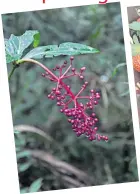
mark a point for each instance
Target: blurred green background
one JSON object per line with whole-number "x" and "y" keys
{"x": 49, "y": 154}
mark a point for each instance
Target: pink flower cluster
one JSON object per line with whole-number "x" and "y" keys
{"x": 69, "y": 103}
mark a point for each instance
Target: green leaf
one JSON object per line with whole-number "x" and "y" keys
{"x": 133, "y": 167}
{"x": 20, "y": 140}
{"x": 138, "y": 33}
{"x": 24, "y": 190}
{"x": 36, "y": 40}
{"x": 135, "y": 26}
{"x": 15, "y": 45}
{"x": 24, "y": 167}
{"x": 116, "y": 68}
{"x": 96, "y": 34}
{"x": 135, "y": 49}
{"x": 68, "y": 48}
{"x": 16, "y": 131}
{"x": 39, "y": 52}
{"x": 135, "y": 39}
{"x": 23, "y": 154}
{"x": 36, "y": 185}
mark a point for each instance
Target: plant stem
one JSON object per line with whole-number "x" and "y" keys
{"x": 83, "y": 97}
{"x": 52, "y": 74}
{"x": 11, "y": 73}
{"x": 39, "y": 64}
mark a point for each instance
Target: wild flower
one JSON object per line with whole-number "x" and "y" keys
{"x": 78, "y": 108}
{"x": 77, "y": 112}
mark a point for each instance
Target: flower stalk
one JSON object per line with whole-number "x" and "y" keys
{"x": 80, "y": 120}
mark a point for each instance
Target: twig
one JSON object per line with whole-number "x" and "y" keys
{"x": 61, "y": 166}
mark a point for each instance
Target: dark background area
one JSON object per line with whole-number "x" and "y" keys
{"x": 47, "y": 148}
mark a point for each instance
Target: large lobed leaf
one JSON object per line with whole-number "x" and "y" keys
{"x": 68, "y": 48}
{"x": 15, "y": 45}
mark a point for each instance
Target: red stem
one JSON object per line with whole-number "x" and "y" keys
{"x": 52, "y": 74}
{"x": 41, "y": 65}
{"x": 54, "y": 77}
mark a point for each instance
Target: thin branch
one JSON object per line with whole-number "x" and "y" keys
{"x": 11, "y": 73}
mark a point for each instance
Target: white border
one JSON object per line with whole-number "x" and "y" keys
{"x": 20, "y": 6}
{"x": 9, "y": 183}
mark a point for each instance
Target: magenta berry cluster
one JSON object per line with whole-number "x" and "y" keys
{"x": 70, "y": 104}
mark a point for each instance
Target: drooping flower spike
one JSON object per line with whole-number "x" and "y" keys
{"x": 69, "y": 103}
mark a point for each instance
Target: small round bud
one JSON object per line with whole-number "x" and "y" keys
{"x": 58, "y": 98}
{"x": 58, "y": 104}
{"x": 93, "y": 114}
{"x": 96, "y": 119}
{"x": 52, "y": 97}
{"x": 98, "y": 97}
{"x": 43, "y": 74}
{"x": 88, "y": 119}
{"x": 69, "y": 120}
{"x": 83, "y": 86}
{"x": 81, "y": 77}
{"x": 72, "y": 58}
{"x": 106, "y": 138}
{"x": 82, "y": 106}
{"x": 73, "y": 69}
{"x": 61, "y": 110}
{"x": 92, "y": 91}
{"x": 78, "y": 133}
{"x": 83, "y": 69}
{"x": 68, "y": 86}
{"x": 57, "y": 67}
{"x": 95, "y": 102}
{"x": 72, "y": 121}
{"x": 49, "y": 96}
{"x": 95, "y": 128}
{"x": 91, "y": 138}
{"x": 59, "y": 87}
{"x": 66, "y": 110}
{"x": 58, "y": 92}
{"x": 63, "y": 97}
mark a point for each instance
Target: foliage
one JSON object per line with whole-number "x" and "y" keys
{"x": 135, "y": 26}
{"x": 82, "y": 123}
{"x": 15, "y": 46}
{"x": 135, "y": 34}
